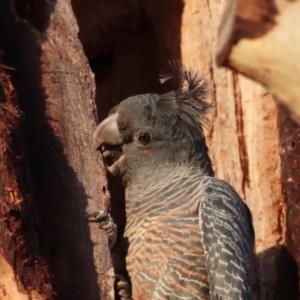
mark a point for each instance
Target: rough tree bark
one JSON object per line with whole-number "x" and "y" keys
{"x": 253, "y": 143}
{"x": 51, "y": 177}
{"x": 260, "y": 39}
{"x": 243, "y": 139}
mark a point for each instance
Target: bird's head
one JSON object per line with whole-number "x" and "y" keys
{"x": 148, "y": 130}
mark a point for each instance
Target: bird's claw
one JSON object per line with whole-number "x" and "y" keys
{"x": 106, "y": 223}
{"x": 123, "y": 287}
{"x": 113, "y": 159}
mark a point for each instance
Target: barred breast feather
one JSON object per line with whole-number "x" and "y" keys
{"x": 169, "y": 256}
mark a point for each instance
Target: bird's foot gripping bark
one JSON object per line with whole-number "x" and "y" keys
{"x": 123, "y": 287}
{"x": 106, "y": 223}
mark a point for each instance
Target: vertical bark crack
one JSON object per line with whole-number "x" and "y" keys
{"x": 240, "y": 132}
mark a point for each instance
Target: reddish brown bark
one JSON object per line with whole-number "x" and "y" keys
{"x": 289, "y": 151}
{"x": 54, "y": 177}
{"x": 16, "y": 207}
{"x": 260, "y": 40}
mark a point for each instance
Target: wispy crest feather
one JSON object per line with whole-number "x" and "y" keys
{"x": 191, "y": 98}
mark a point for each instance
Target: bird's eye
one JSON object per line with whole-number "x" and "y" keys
{"x": 144, "y": 137}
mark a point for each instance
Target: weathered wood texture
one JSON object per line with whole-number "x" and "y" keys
{"x": 261, "y": 39}
{"x": 21, "y": 267}
{"x": 61, "y": 177}
{"x": 243, "y": 138}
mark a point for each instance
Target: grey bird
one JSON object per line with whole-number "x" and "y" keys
{"x": 188, "y": 235}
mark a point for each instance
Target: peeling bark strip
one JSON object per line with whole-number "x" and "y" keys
{"x": 58, "y": 177}
{"x": 260, "y": 39}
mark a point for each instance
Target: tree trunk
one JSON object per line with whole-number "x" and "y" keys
{"x": 51, "y": 175}
{"x": 248, "y": 145}
{"x": 253, "y": 143}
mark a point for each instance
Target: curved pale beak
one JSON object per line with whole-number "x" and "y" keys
{"x": 107, "y": 132}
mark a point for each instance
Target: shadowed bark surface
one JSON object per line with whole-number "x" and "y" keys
{"x": 64, "y": 177}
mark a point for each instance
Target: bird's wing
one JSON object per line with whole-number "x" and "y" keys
{"x": 228, "y": 241}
